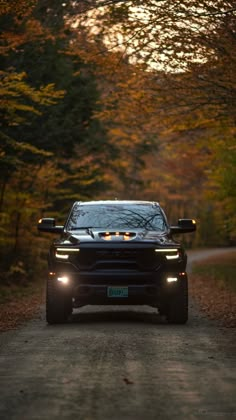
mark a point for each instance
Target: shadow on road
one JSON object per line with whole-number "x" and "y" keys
{"x": 116, "y": 316}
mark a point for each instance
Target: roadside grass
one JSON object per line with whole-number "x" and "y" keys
{"x": 20, "y": 303}
{"x": 221, "y": 270}
{"x": 10, "y": 293}
{"x": 213, "y": 286}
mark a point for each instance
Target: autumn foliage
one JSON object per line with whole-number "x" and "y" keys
{"x": 105, "y": 99}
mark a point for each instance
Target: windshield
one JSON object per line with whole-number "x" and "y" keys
{"x": 117, "y": 216}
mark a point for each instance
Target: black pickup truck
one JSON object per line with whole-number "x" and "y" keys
{"x": 117, "y": 253}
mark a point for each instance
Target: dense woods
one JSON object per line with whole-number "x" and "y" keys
{"x": 104, "y": 99}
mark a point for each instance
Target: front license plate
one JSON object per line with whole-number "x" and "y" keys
{"x": 117, "y": 292}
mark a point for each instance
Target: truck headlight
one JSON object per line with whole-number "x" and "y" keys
{"x": 170, "y": 254}
{"x": 64, "y": 253}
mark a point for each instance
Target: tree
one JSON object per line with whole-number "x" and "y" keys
{"x": 47, "y": 158}
{"x": 18, "y": 158}
{"x": 188, "y": 52}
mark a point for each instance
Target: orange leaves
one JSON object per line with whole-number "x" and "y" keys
{"x": 17, "y": 7}
{"x": 19, "y": 25}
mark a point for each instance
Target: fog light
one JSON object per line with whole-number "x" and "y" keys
{"x": 64, "y": 279}
{"x": 171, "y": 279}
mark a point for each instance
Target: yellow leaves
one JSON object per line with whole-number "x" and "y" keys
{"x": 117, "y": 132}
{"x": 15, "y": 93}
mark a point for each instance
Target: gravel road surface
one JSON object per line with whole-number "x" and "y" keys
{"x": 115, "y": 363}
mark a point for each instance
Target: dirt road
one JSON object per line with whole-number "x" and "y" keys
{"x": 119, "y": 363}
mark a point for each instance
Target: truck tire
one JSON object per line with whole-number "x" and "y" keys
{"x": 58, "y": 302}
{"x": 177, "y": 306}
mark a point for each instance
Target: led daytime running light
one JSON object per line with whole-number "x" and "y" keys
{"x": 170, "y": 254}
{"x": 64, "y": 253}
{"x": 166, "y": 250}
{"x": 172, "y": 257}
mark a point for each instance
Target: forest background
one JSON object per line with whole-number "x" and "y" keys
{"x": 104, "y": 99}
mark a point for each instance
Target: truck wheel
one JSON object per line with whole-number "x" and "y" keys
{"x": 177, "y": 307}
{"x": 58, "y": 302}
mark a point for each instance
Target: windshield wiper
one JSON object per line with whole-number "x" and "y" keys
{"x": 83, "y": 227}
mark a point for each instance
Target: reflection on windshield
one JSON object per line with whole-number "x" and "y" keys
{"x": 122, "y": 216}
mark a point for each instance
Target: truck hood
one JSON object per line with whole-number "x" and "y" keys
{"x": 115, "y": 235}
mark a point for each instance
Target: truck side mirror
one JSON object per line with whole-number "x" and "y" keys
{"x": 184, "y": 226}
{"x": 49, "y": 225}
